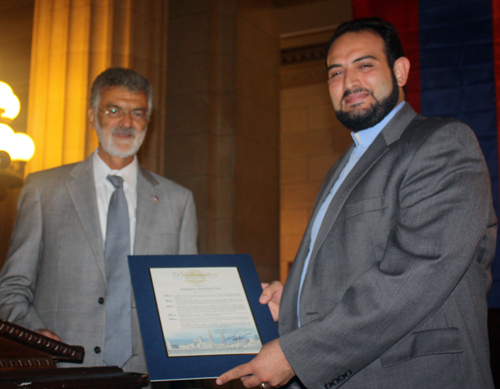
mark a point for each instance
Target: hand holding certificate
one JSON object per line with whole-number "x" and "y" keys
{"x": 271, "y": 295}
{"x": 270, "y": 369}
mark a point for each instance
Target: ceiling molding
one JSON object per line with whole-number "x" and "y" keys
{"x": 302, "y": 55}
{"x": 302, "y": 74}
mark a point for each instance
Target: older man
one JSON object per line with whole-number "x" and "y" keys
{"x": 388, "y": 288}
{"x": 66, "y": 274}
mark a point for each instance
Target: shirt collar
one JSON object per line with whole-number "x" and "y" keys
{"x": 364, "y": 138}
{"x": 102, "y": 170}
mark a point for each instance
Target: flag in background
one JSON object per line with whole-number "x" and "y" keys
{"x": 454, "y": 60}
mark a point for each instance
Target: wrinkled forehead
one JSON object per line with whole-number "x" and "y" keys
{"x": 115, "y": 94}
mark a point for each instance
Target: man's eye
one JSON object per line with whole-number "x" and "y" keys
{"x": 138, "y": 114}
{"x": 333, "y": 75}
{"x": 114, "y": 112}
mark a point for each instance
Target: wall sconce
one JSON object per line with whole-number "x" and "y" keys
{"x": 9, "y": 103}
{"x": 19, "y": 146}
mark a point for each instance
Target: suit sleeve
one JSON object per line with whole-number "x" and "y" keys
{"x": 19, "y": 274}
{"x": 440, "y": 227}
{"x": 188, "y": 237}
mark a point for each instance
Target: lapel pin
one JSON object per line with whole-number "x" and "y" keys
{"x": 156, "y": 199}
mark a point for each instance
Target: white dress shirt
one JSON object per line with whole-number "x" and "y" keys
{"x": 104, "y": 191}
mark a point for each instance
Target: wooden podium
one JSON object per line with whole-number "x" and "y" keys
{"x": 28, "y": 360}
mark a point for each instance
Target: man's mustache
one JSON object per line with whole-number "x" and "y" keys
{"x": 124, "y": 131}
{"x": 355, "y": 90}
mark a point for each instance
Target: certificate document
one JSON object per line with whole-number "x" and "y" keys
{"x": 204, "y": 311}
{"x": 200, "y": 315}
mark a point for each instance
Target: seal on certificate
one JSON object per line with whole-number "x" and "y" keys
{"x": 194, "y": 276}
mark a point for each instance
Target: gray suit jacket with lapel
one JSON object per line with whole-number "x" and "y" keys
{"x": 54, "y": 276}
{"x": 395, "y": 292}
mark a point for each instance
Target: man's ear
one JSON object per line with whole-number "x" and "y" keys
{"x": 401, "y": 70}
{"x": 91, "y": 116}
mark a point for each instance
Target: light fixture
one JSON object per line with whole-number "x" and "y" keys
{"x": 19, "y": 146}
{"x": 9, "y": 103}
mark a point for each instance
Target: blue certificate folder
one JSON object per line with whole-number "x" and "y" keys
{"x": 164, "y": 368}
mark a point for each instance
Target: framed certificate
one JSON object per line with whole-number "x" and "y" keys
{"x": 199, "y": 314}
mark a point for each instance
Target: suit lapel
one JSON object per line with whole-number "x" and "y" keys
{"x": 369, "y": 158}
{"x": 148, "y": 195}
{"x": 391, "y": 133}
{"x": 290, "y": 295}
{"x": 330, "y": 179}
{"x": 81, "y": 189}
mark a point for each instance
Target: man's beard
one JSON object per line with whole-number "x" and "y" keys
{"x": 108, "y": 143}
{"x": 366, "y": 118}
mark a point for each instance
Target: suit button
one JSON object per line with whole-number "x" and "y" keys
{"x": 101, "y": 300}
{"x": 97, "y": 350}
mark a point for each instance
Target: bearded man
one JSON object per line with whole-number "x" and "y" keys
{"x": 388, "y": 288}
{"x": 66, "y": 274}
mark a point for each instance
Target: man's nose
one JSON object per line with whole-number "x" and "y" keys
{"x": 351, "y": 80}
{"x": 126, "y": 120}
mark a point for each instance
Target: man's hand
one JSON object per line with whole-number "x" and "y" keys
{"x": 48, "y": 334}
{"x": 269, "y": 366}
{"x": 271, "y": 295}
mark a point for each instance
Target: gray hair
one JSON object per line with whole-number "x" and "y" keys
{"x": 121, "y": 77}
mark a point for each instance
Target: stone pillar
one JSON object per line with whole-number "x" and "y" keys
{"x": 256, "y": 208}
{"x": 201, "y": 113}
{"x": 223, "y": 130}
{"x": 75, "y": 40}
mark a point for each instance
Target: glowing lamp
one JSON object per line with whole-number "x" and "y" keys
{"x": 15, "y": 148}
{"x": 6, "y": 137}
{"x": 22, "y": 148}
{"x": 9, "y": 103}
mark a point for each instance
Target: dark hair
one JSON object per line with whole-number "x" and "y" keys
{"x": 392, "y": 44}
{"x": 121, "y": 77}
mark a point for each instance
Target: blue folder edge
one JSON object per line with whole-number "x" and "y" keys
{"x": 160, "y": 366}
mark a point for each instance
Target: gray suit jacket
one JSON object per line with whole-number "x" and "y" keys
{"x": 54, "y": 276}
{"x": 395, "y": 293}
